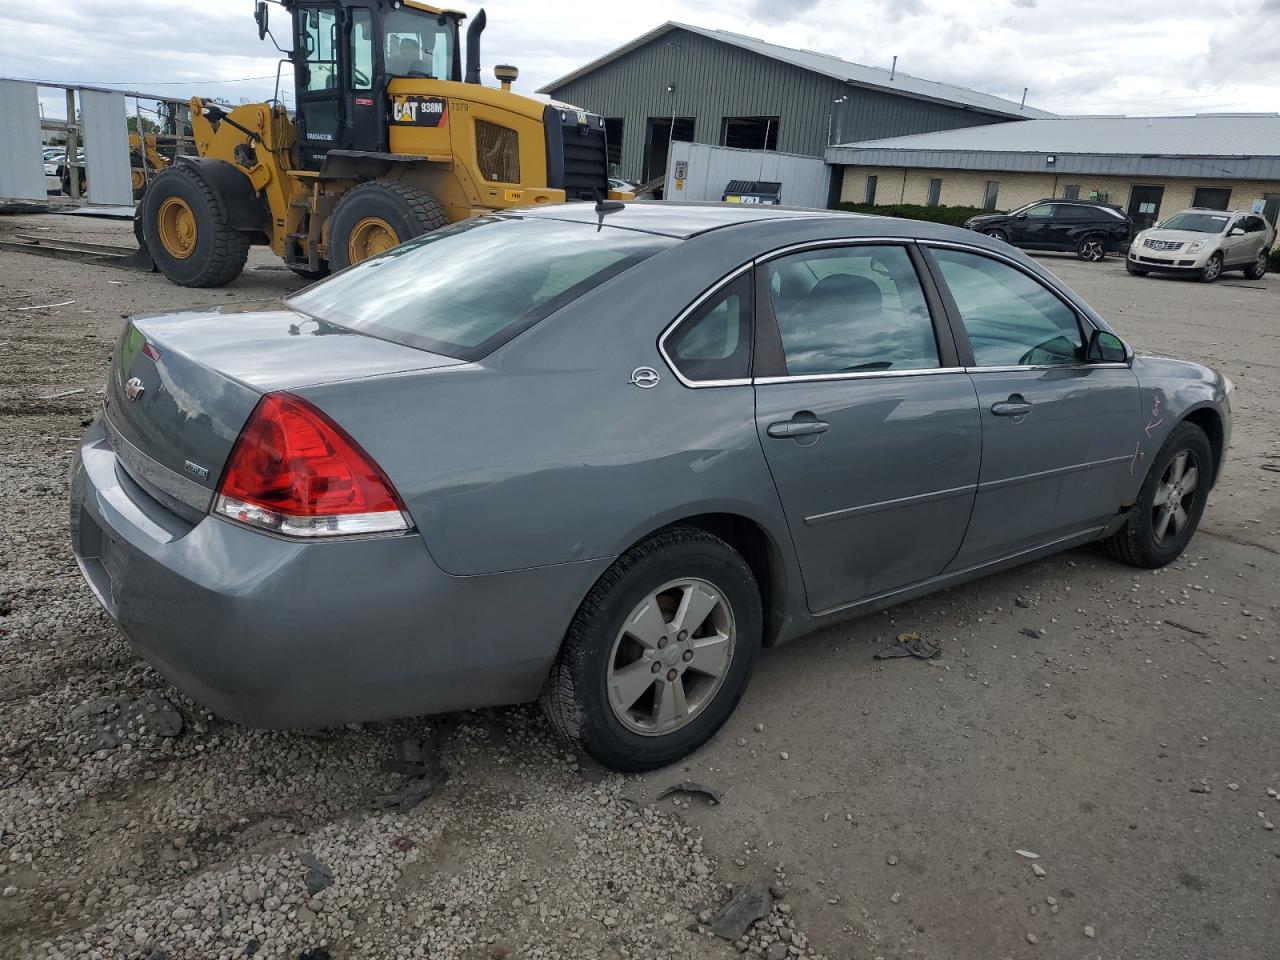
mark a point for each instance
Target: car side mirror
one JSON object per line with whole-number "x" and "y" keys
{"x": 1236, "y": 232}
{"x": 1106, "y": 347}
{"x": 260, "y": 15}
{"x": 1020, "y": 216}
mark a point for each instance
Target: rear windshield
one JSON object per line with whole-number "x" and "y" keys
{"x": 1197, "y": 222}
{"x": 467, "y": 289}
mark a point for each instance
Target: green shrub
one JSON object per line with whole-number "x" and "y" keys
{"x": 955, "y": 216}
{"x": 1273, "y": 259}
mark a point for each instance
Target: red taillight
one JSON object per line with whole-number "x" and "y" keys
{"x": 295, "y": 471}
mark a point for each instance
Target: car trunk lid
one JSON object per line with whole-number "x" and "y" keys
{"x": 183, "y": 384}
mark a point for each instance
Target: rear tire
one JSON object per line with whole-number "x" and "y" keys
{"x": 1135, "y": 271}
{"x": 1092, "y": 248}
{"x": 195, "y": 245}
{"x": 379, "y": 215}
{"x": 589, "y": 696}
{"x": 1258, "y": 269}
{"x": 1157, "y": 530}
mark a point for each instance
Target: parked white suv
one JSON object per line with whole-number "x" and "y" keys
{"x": 1203, "y": 243}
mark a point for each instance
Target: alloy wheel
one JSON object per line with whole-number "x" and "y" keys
{"x": 1213, "y": 268}
{"x": 671, "y": 656}
{"x": 1175, "y": 497}
{"x": 1092, "y": 251}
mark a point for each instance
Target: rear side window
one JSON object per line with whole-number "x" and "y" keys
{"x": 465, "y": 290}
{"x": 714, "y": 342}
{"x": 1011, "y": 319}
{"x": 850, "y": 310}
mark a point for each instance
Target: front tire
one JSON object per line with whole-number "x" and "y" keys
{"x": 997, "y": 235}
{"x": 187, "y": 231}
{"x": 376, "y": 216}
{"x": 1258, "y": 269}
{"x": 1170, "y": 504}
{"x": 1212, "y": 270}
{"x": 659, "y": 653}
{"x": 1091, "y": 249}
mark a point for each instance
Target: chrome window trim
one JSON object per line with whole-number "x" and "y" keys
{"x": 1016, "y": 368}
{"x": 141, "y": 466}
{"x": 698, "y": 301}
{"x": 857, "y": 375}
{"x": 835, "y": 242}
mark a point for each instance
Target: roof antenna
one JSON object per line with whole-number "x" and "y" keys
{"x": 893, "y": 70}
{"x": 604, "y": 206}
{"x": 1023, "y": 104}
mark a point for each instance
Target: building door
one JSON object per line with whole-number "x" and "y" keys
{"x": 1272, "y": 208}
{"x": 661, "y": 131}
{"x": 1144, "y": 204}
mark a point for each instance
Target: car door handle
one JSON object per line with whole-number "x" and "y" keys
{"x": 1015, "y": 406}
{"x": 789, "y": 429}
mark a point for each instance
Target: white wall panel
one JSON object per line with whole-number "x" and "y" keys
{"x": 106, "y": 147}
{"x": 21, "y": 163}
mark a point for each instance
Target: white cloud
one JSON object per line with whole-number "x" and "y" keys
{"x": 1092, "y": 56}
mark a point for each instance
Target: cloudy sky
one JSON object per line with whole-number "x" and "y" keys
{"x": 1140, "y": 57}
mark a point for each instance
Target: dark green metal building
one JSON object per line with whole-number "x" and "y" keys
{"x": 710, "y": 86}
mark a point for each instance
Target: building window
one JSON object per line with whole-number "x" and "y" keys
{"x": 1071, "y": 191}
{"x": 992, "y": 194}
{"x": 871, "y": 189}
{"x": 749, "y": 133}
{"x": 1212, "y": 198}
{"x": 935, "y": 191}
{"x": 613, "y": 140}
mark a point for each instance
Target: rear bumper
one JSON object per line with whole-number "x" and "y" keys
{"x": 275, "y": 633}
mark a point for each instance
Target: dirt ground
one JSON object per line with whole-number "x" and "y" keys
{"x": 1130, "y": 744}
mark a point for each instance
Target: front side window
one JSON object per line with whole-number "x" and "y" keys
{"x": 1011, "y": 319}
{"x": 714, "y": 342}
{"x": 1042, "y": 211}
{"x": 418, "y": 44}
{"x": 851, "y": 310}
{"x": 464, "y": 290}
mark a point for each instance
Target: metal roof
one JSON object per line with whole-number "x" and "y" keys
{"x": 1204, "y": 135}
{"x": 856, "y": 74}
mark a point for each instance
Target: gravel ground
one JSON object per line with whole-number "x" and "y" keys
{"x": 1130, "y": 743}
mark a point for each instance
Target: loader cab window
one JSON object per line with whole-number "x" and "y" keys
{"x": 319, "y": 35}
{"x": 419, "y": 44}
{"x": 361, "y": 49}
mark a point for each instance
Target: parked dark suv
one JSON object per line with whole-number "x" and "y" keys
{"x": 1090, "y": 228}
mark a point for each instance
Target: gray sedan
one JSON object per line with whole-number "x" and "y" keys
{"x": 604, "y": 456}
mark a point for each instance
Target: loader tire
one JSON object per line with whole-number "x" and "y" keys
{"x": 188, "y": 233}
{"x": 379, "y": 215}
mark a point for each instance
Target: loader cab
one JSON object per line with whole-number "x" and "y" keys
{"x": 345, "y": 54}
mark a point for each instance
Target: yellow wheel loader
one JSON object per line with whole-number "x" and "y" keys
{"x": 389, "y": 139}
